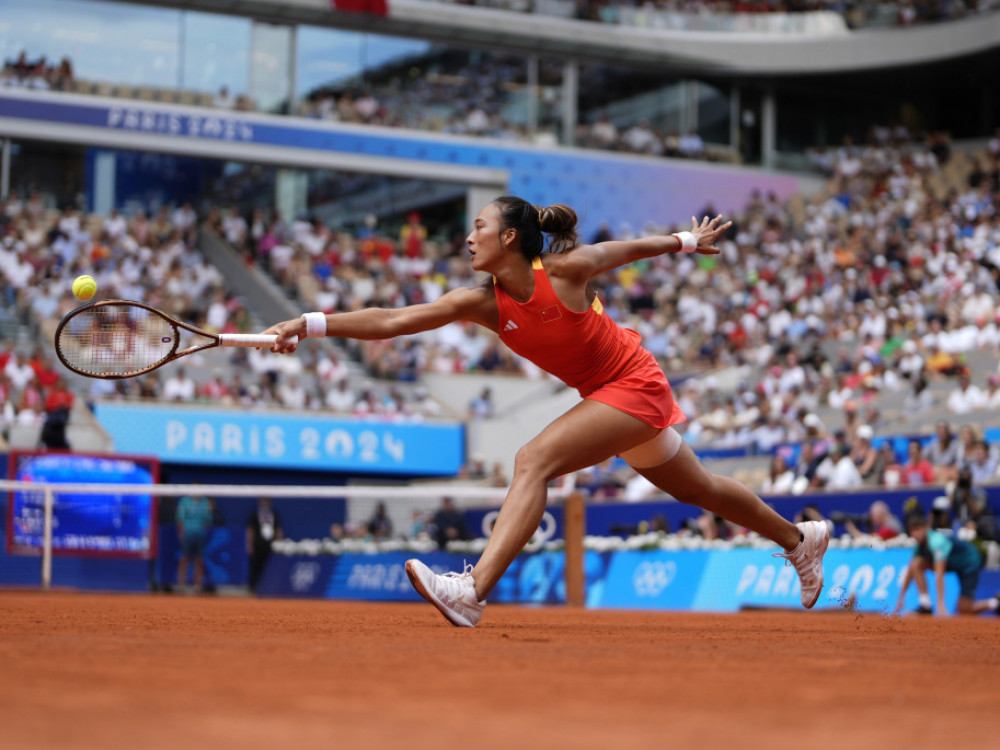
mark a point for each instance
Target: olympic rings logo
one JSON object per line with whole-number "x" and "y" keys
{"x": 546, "y": 529}
{"x": 651, "y": 578}
{"x": 304, "y": 575}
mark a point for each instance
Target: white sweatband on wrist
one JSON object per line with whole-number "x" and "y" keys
{"x": 688, "y": 242}
{"x": 315, "y": 325}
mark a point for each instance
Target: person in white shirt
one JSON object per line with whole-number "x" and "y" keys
{"x": 234, "y": 227}
{"x": 179, "y": 387}
{"x": 837, "y": 470}
{"x": 340, "y": 398}
{"x": 910, "y": 363}
{"x": 184, "y": 217}
{"x": 780, "y": 479}
{"x": 115, "y": 225}
{"x": 966, "y": 397}
{"x": 292, "y": 394}
{"x": 992, "y": 395}
{"x": 330, "y": 369}
{"x": 224, "y": 100}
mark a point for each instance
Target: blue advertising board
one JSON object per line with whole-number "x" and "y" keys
{"x": 535, "y": 578}
{"x": 223, "y": 437}
{"x": 710, "y": 580}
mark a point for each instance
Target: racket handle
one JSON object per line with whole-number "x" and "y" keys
{"x": 248, "y": 339}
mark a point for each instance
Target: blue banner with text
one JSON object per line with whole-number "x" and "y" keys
{"x": 679, "y": 580}
{"x": 273, "y": 440}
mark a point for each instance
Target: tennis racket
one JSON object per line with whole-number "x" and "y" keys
{"x": 115, "y": 339}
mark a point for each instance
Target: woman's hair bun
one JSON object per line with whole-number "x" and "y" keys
{"x": 559, "y": 221}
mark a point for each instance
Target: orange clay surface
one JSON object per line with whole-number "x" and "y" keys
{"x": 141, "y": 671}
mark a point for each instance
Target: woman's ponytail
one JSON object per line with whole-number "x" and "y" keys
{"x": 557, "y": 221}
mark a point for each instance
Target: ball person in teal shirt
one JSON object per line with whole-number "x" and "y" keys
{"x": 942, "y": 553}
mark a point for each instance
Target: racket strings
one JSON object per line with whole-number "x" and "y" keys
{"x": 115, "y": 339}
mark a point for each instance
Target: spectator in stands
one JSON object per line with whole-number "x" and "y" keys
{"x": 340, "y": 398}
{"x": 424, "y": 404}
{"x": 215, "y": 390}
{"x": 710, "y": 526}
{"x": 604, "y": 134}
{"x": 992, "y": 394}
{"x": 975, "y": 520}
{"x": 62, "y": 78}
{"x": 639, "y": 138}
{"x": 380, "y": 525}
{"x": 691, "y": 145}
{"x": 19, "y": 371}
{"x": 917, "y": 471}
{"x": 184, "y": 218}
{"x": 234, "y": 229}
{"x": 968, "y": 436}
{"x": 910, "y": 364}
{"x": 194, "y": 518}
{"x": 58, "y": 404}
{"x": 939, "y": 552}
{"x": 448, "y": 524}
{"x": 943, "y": 452}
{"x": 837, "y": 471}
{"x": 412, "y": 236}
{"x": 966, "y": 397}
{"x": 780, "y": 478}
{"x": 865, "y": 456}
{"x": 920, "y": 399}
{"x": 291, "y": 393}
{"x": 880, "y": 522}
{"x": 179, "y": 387}
{"x": 805, "y": 468}
{"x": 263, "y": 528}
{"x": 481, "y": 407}
{"x": 224, "y": 99}
{"x": 982, "y": 468}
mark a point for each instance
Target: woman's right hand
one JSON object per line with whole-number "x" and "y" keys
{"x": 289, "y": 332}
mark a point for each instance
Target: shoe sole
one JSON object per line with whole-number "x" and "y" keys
{"x": 419, "y": 586}
{"x": 822, "y": 577}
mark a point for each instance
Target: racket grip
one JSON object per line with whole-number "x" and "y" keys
{"x": 247, "y": 339}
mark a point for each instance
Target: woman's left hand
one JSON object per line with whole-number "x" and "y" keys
{"x": 707, "y": 234}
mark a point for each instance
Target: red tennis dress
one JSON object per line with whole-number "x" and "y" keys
{"x": 587, "y": 351}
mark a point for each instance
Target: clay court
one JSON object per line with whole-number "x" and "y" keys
{"x": 136, "y": 671}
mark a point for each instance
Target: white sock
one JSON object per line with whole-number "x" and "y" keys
{"x": 994, "y": 603}
{"x": 925, "y": 600}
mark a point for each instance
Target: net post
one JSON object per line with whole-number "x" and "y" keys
{"x": 575, "y": 526}
{"x": 47, "y": 540}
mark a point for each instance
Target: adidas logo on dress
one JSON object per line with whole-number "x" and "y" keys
{"x": 511, "y": 325}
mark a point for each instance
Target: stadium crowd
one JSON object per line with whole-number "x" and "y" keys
{"x": 882, "y": 288}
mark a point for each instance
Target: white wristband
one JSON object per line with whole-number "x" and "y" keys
{"x": 315, "y": 325}
{"x": 688, "y": 242}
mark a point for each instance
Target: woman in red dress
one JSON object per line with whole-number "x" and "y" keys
{"x": 541, "y": 305}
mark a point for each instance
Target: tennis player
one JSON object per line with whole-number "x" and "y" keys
{"x": 541, "y": 305}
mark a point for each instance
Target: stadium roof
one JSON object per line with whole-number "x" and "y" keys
{"x": 726, "y": 53}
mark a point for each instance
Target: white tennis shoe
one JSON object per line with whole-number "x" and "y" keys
{"x": 454, "y": 594}
{"x": 807, "y": 558}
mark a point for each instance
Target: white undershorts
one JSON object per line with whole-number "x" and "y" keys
{"x": 655, "y": 452}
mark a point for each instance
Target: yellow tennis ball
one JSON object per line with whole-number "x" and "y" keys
{"x": 84, "y": 287}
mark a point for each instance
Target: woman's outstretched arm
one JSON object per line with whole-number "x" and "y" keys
{"x": 587, "y": 261}
{"x": 476, "y": 305}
